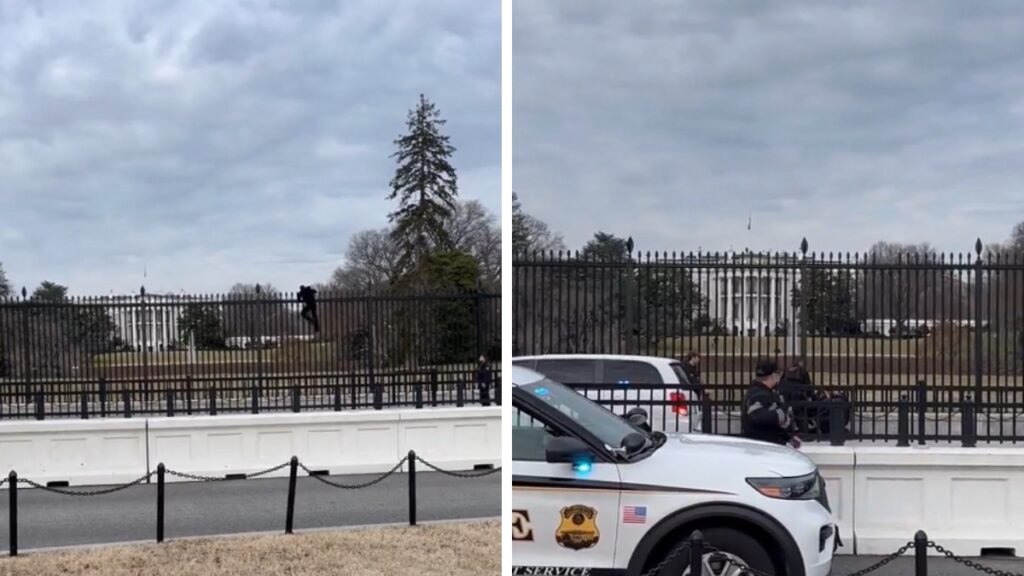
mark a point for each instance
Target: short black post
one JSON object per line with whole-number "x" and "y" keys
{"x": 12, "y": 489}
{"x": 836, "y": 421}
{"x": 126, "y": 400}
{"x": 968, "y": 423}
{"x": 705, "y": 415}
{"x": 160, "y": 477}
{"x": 254, "y": 391}
{"x": 296, "y": 399}
{"x": 697, "y": 552}
{"x": 213, "y": 401}
{"x": 920, "y": 553}
{"x": 922, "y": 406}
{"x": 170, "y": 402}
{"x": 433, "y": 387}
{"x": 188, "y": 395}
{"x": 460, "y": 394}
{"x": 293, "y": 472}
{"x": 903, "y": 421}
{"x": 337, "y": 397}
{"x": 412, "y": 488}
{"x": 40, "y": 406}
{"x": 418, "y": 391}
{"x": 378, "y": 396}
{"x": 85, "y": 405}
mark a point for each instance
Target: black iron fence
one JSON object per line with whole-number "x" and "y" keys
{"x": 900, "y": 415}
{"x": 161, "y": 472}
{"x": 863, "y": 319}
{"x": 253, "y": 352}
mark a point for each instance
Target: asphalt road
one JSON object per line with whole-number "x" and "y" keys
{"x": 240, "y": 506}
{"x": 904, "y": 566}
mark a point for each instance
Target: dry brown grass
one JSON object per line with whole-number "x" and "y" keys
{"x": 462, "y": 549}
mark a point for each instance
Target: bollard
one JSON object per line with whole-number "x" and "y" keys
{"x": 903, "y": 421}
{"x": 412, "y": 488}
{"x": 85, "y": 405}
{"x": 296, "y": 399}
{"x": 254, "y": 392}
{"x": 697, "y": 552}
{"x": 126, "y": 399}
{"x": 40, "y": 406}
{"x": 705, "y": 414}
{"x": 968, "y": 423}
{"x": 12, "y": 489}
{"x": 922, "y": 407}
{"x": 160, "y": 477}
{"x": 378, "y": 396}
{"x": 170, "y": 403}
{"x": 433, "y": 387}
{"x": 418, "y": 390}
{"x": 460, "y": 394}
{"x": 920, "y": 553}
{"x": 837, "y": 428}
{"x": 293, "y": 472}
{"x": 213, "y": 401}
{"x": 337, "y": 397}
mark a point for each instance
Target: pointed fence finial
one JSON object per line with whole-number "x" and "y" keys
{"x": 629, "y": 245}
{"x": 804, "y": 246}
{"x": 977, "y": 247}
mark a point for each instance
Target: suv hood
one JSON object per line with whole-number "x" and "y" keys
{"x": 717, "y": 462}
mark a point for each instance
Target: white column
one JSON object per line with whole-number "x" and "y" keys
{"x": 135, "y": 327}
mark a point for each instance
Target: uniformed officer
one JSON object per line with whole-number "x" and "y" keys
{"x": 766, "y": 417}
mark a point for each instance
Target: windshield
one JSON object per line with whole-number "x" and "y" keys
{"x": 607, "y": 427}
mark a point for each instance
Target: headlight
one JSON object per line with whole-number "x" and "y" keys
{"x": 798, "y": 488}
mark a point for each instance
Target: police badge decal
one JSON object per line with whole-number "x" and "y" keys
{"x": 578, "y": 528}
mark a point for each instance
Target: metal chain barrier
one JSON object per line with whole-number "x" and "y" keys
{"x": 136, "y": 482}
{"x": 225, "y": 478}
{"x": 377, "y": 480}
{"x": 656, "y": 571}
{"x": 969, "y": 563}
{"x": 885, "y": 560}
{"x": 479, "y": 474}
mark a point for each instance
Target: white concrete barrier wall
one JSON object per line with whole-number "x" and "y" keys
{"x": 90, "y": 452}
{"x": 80, "y": 452}
{"x": 966, "y": 499}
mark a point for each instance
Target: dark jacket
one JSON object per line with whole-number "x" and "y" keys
{"x": 764, "y": 413}
{"x": 693, "y": 375}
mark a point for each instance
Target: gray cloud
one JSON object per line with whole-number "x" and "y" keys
{"x": 214, "y": 143}
{"x": 845, "y": 122}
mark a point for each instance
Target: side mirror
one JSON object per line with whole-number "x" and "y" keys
{"x": 569, "y": 450}
{"x": 633, "y": 442}
{"x": 638, "y": 416}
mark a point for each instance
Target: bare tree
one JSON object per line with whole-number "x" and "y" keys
{"x": 371, "y": 262}
{"x": 531, "y": 235}
{"x": 475, "y": 230}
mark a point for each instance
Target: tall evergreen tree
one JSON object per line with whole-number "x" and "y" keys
{"x": 424, "y": 184}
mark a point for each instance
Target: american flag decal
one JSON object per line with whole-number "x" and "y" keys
{"x": 634, "y": 514}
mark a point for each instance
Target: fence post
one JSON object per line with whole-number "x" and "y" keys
{"x": 920, "y": 553}
{"x": 263, "y": 331}
{"x": 837, "y": 428}
{"x": 460, "y": 393}
{"x": 296, "y": 399}
{"x": 697, "y": 552}
{"x": 378, "y": 396}
{"x": 160, "y": 477}
{"x": 188, "y": 394}
{"x": 85, "y": 404}
{"x": 293, "y": 472}
{"x": 126, "y": 399}
{"x": 337, "y": 397}
{"x": 170, "y": 402}
{"x": 255, "y": 392}
{"x": 213, "y": 400}
{"x": 12, "y": 489}
{"x": 903, "y": 421}
{"x": 412, "y": 487}
{"x": 978, "y": 269}
{"x": 40, "y": 405}
{"x": 478, "y": 299}
{"x": 103, "y": 396}
{"x": 25, "y": 337}
{"x": 418, "y": 390}
{"x": 922, "y": 406}
{"x": 968, "y": 423}
{"x": 629, "y": 295}
{"x": 801, "y": 331}
{"x": 145, "y": 343}
{"x": 433, "y": 387}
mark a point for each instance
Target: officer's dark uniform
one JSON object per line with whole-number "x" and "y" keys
{"x": 483, "y": 382}
{"x": 766, "y": 417}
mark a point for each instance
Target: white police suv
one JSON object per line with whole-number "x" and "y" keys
{"x": 592, "y": 494}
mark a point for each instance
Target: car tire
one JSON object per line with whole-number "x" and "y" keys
{"x": 733, "y": 543}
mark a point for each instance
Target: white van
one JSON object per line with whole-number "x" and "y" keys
{"x": 593, "y": 494}
{"x": 668, "y": 407}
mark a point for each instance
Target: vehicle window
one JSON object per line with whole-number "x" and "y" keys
{"x": 630, "y": 371}
{"x": 568, "y": 371}
{"x": 607, "y": 427}
{"x": 525, "y": 363}
{"x": 677, "y": 369}
{"x": 529, "y": 437}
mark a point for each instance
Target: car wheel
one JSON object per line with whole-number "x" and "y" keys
{"x": 734, "y": 551}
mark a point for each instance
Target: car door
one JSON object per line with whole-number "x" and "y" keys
{"x": 561, "y": 517}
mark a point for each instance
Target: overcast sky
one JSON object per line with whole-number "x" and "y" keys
{"x": 208, "y": 143}
{"x": 845, "y": 122}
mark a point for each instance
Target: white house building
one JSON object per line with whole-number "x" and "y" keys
{"x": 157, "y": 329}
